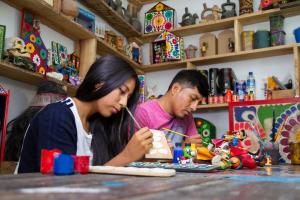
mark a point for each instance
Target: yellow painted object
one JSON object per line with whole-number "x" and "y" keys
{"x": 204, "y": 154}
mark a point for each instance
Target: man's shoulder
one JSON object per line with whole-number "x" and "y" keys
{"x": 150, "y": 104}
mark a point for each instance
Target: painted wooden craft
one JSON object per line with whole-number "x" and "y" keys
{"x": 159, "y": 18}
{"x": 160, "y": 149}
{"x": 226, "y": 42}
{"x": 30, "y": 33}
{"x": 208, "y": 44}
{"x": 274, "y": 120}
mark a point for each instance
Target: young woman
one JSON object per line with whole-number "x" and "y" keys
{"x": 93, "y": 123}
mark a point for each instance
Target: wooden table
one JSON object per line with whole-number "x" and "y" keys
{"x": 276, "y": 182}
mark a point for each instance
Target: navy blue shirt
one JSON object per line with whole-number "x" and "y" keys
{"x": 52, "y": 128}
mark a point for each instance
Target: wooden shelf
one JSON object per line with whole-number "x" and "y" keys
{"x": 243, "y": 55}
{"x": 213, "y": 106}
{"x": 52, "y": 18}
{"x": 104, "y": 48}
{"x": 195, "y": 29}
{"x": 247, "y": 19}
{"x": 16, "y": 73}
{"x": 112, "y": 17}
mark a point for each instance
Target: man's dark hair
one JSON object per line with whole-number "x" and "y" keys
{"x": 192, "y": 78}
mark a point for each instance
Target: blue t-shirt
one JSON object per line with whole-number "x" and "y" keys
{"x": 54, "y": 127}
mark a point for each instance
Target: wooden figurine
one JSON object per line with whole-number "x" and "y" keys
{"x": 188, "y": 18}
{"x": 203, "y": 48}
{"x": 246, "y": 6}
{"x": 190, "y": 51}
{"x": 208, "y": 44}
{"x": 120, "y": 43}
{"x": 111, "y": 38}
{"x": 228, "y": 13}
{"x": 226, "y": 42}
{"x": 213, "y": 15}
{"x": 160, "y": 149}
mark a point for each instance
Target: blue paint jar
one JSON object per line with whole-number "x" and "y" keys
{"x": 63, "y": 164}
{"x": 297, "y": 34}
{"x": 177, "y": 152}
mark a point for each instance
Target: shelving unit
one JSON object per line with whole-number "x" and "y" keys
{"x": 101, "y": 8}
{"x": 247, "y": 19}
{"x": 213, "y": 106}
{"x": 16, "y": 73}
{"x": 222, "y": 58}
{"x": 86, "y": 42}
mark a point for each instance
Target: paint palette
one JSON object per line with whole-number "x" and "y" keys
{"x": 135, "y": 171}
{"x": 178, "y": 167}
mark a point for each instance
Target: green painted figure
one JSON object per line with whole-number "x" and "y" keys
{"x": 206, "y": 129}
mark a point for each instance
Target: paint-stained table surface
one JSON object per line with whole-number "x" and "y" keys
{"x": 276, "y": 182}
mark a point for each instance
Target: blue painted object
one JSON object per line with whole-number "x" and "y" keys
{"x": 177, "y": 152}
{"x": 63, "y": 165}
{"x": 297, "y": 34}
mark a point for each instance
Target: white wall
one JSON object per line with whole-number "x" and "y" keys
{"x": 280, "y": 66}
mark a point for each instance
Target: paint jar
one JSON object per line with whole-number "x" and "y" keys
{"x": 81, "y": 164}
{"x": 297, "y": 34}
{"x": 295, "y": 153}
{"x": 47, "y": 160}
{"x": 63, "y": 164}
{"x": 178, "y": 152}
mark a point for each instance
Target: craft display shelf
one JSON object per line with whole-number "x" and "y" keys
{"x": 247, "y": 19}
{"x": 86, "y": 42}
{"x": 212, "y": 106}
{"x": 16, "y": 73}
{"x": 223, "y": 58}
{"x": 53, "y": 19}
{"x": 102, "y": 9}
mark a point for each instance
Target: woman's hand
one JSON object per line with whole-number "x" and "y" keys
{"x": 197, "y": 139}
{"x": 138, "y": 145}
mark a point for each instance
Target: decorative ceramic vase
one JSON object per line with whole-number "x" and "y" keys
{"x": 262, "y": 39}
{"x": 246, "y": 6}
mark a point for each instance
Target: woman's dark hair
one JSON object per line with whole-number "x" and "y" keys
{"x": 192, "y": 78}
{"x": 16, "y": 128}
{"x": 110, "y": 135}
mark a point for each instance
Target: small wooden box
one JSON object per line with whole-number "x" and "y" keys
{"x": 279, "y": 94}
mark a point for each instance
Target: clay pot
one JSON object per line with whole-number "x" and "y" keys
{"x": 69, "y": 8}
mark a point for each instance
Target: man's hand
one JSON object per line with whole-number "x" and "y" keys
{"x": 197, "y": 139}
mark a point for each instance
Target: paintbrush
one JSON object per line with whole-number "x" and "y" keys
{"x": 280, "y": 129}
{"x": 132, "y": 117}
{"x": 181, "y": 134}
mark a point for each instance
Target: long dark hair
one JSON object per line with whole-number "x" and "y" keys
{"x": 110, "y": 134}
{"x": 16, "y": 128}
